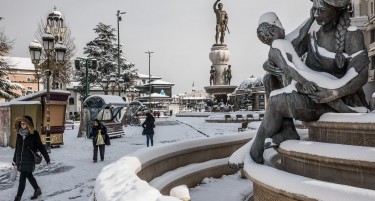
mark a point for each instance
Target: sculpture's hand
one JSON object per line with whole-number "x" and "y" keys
{"x": 309, "y": 88}
{"x": 270, "y": 67}
{"x": 312, "y": 13}
{"x": 323, "y": 95}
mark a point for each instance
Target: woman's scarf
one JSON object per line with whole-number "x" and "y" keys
{"x": 23, "y": 132}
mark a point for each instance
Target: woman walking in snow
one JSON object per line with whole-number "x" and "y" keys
{"x": 27, "y": 142}
{"x": 148, "y": 126}
{"x": 99, "y": 134}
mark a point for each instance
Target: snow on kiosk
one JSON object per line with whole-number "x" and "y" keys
{"x": 107, "y": 109}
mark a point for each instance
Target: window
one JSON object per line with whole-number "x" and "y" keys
{"x": 7, "y": 78}
{"x": 28, "y": 79}
{"x": 71, "y": 101}
{"x": 371, "y": 9}
{"x": 372, "y": 62}
{"x": 372, "y": 39}
{"x": 30, "y": 88}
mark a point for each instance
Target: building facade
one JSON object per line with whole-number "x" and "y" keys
{"x": 21, "y": 71}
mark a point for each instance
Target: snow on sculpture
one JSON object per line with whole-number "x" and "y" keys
{"x": 332, "y": 48}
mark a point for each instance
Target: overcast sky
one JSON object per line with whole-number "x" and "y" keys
{"x": 180, "y": 33}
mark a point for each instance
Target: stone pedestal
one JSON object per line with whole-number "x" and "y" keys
{"x": 219, "y": 57}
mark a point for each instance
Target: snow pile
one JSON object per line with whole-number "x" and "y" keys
{"x": 338, "y": 151}
{"x": 181, "y": 192}
{"x": 348, "y": 117}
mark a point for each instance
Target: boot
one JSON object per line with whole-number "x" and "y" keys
{"x": 18, "y": 198}
{"x": 37, "y": 192}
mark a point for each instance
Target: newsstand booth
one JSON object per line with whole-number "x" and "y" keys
{"x": 9, "y": 111}
{"x": 109, "y": 110}
{"x": 34, "y": 105}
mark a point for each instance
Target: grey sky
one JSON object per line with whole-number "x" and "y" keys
{"x": 180, "y": 33}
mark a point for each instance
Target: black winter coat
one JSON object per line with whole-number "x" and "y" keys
{"x": 23, "y": 157}
{"x": 149, "y": 125}
{"x": 95, "y": 131}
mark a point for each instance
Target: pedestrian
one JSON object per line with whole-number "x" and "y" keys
{"x": 148, "y": 126}
{"x": 99, "y": 135}
{"x": 27, "y": 142}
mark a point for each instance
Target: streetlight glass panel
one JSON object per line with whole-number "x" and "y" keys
{"x": 60, "y": 56}
{"x": 35, "y": 55}
{"x": 47, "y": 45}
{"x": 60, "y": 50}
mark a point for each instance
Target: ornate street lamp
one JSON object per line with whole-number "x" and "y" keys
{"x": 35, "y": 49}
{"x": 112, "y": 81}
{"x": 48, "y": 42}
{"x": 105, "y": 85}
{"x": 60, "y": 50}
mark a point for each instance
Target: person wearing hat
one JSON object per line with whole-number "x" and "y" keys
{"x": 331, "y": 46}
{"x": 27, "y": 142}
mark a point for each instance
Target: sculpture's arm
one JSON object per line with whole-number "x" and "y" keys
{"x": 299, "y": 37}
{"x": 215, "y": 5}
{"x": 326, "y": 95}
{"x": 270, "y": 67}
{"x": 226, "y": 18}
{"x": 355, "y": 46}
{"x": 276, "y": 57}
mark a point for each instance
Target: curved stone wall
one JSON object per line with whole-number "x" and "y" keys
{"x": 149, "y": 164}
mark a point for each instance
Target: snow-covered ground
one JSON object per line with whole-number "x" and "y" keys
{"x": 72, "y": 174}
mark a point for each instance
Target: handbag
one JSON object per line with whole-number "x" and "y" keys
{"x": 37, "y": 156}
{"x": 106, "y": 140}
{"x": 99, "y": 139}
{"x": 13, "y": 174}
{"x": 144, "y": 132}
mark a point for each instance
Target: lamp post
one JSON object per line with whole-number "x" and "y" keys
{"x": 87, "y": 62}
{"x": 118, "y": 43}
{"x": 49, "y": 47}
{"x": 149, "y": 76}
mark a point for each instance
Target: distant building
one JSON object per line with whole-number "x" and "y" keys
{"x": 251, "y": 93}
{"x": 140, "y": 90}
{"x": 20, "y": 70}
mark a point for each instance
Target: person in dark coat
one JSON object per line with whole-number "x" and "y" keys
{"x": 98, "y": 127}
{"x": 149, "y": 125}
{"x": 27, "y": 139}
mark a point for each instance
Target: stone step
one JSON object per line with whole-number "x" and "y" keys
{"x": 344, "y": 128}
{"x": 336, "y": 163}
{"x": 191, "y": 175}
{"x": 272, "y": 184}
